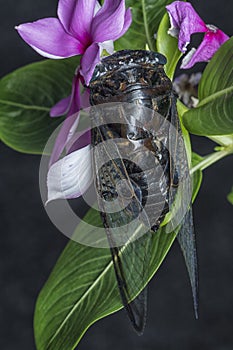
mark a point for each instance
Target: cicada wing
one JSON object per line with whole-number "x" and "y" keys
{"x": 181, "y": 185}
{"x": 186, "y": 239}
{"x": 131, "y": 264}
{"x": 126, "y": 225}
{"x": 180, "y": 200}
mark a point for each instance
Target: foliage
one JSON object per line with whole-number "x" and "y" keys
{"x": 82, "y": 287}
{"x": 63, "y": 314}
{"x": 147, "y": 15}
{"x": 213, "y": 115}
{"x": 26, "y": 97}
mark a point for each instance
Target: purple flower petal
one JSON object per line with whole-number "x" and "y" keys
{"x": 63, "y": 137}
{"x": 76, "y": 17}
{"x": 85, "y": 98}
{"x": 71, "y": 176}
{"x": 48, "y": 37}
{"x": 72, "y": 117}
{"x": 79, "y": 140}
{"x": 210, "y": 44}
{"x": 184, "y": 22}
{"x": 127, "y": 23}
{"x": 89, "y": 60}
{"x": 75, "y": 104}
{"x": 109, "y": 22}
{"x": 70, "y": 104}
{"x": 77, "y": 101}
{"x": 61, "y": 107}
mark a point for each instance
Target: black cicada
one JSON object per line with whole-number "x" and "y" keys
{"x": 141, "y": 169}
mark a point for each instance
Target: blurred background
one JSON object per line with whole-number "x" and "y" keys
{"x": 30, "y": 244}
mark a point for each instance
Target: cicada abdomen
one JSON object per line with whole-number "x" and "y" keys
{"x": 139, "y": 163}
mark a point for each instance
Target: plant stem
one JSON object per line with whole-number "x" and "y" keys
{"x": 224, "y": 140}
{"x": 211, "y": 159}
{"x": 149, "y": 41}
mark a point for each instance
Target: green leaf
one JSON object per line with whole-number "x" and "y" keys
{"x": 213, "y": 115}
{"x": 82, "y": 289}
{"x": 168, "y": 46}
{"x": 147, "y": 15}
{"x": 230, "y": 196}
{"x": 196, "y": 176}
{"x": 26, "y": 97}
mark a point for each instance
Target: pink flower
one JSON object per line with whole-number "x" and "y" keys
{"x": 83, "y": 27}
{"x": 69, "y": 106}
{"x": 185, "y": 22}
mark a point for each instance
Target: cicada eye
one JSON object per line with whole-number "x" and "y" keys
{"x": 161, "y": 59}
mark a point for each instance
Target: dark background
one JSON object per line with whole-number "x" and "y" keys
{"x": 30, "y": 244}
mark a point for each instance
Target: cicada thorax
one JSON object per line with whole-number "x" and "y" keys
{"x": 136, "y": 78}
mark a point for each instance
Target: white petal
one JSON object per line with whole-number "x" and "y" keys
{"x": 97, "y": 8}
{"x": 72, "y": 130}
{"x": 47, "y": 55}
{"x": 108, "y": 46}
{"x": 188, "y": 57}
{"x": 71, "y": 176}
{"x": 173, "y": 30}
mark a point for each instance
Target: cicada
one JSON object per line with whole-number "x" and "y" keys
{"x": 141, "y": 169}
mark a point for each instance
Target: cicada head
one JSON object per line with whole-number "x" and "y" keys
{"x": 128, "y": 74}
